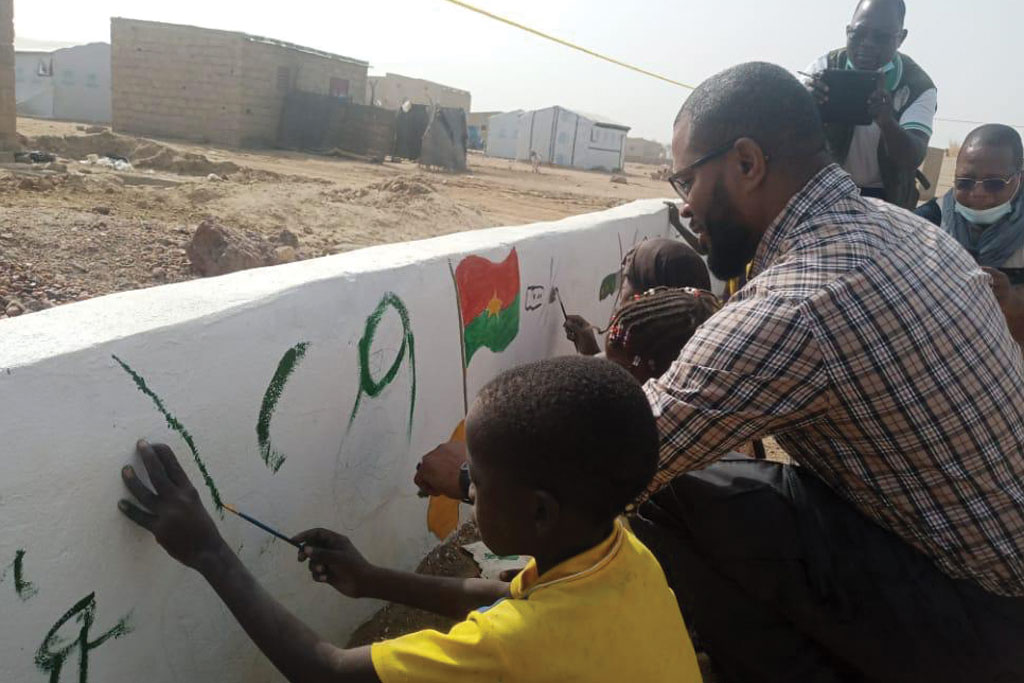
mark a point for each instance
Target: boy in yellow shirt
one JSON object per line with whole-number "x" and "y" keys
{"x": 556, "y": 451}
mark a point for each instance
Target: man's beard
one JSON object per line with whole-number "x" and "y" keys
{"x": 731, "y": 246}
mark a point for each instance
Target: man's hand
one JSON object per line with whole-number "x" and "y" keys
{"x": 880, "y": 104}
{"x": 581, "y": 333}
{"x": 175, "y": 516}
{"x": 335, "y": 561}
{"x": 1011, "y": 301}
{"x": 1000, "y": 285}
{"x": 437, "y": 473}
{"x": 818, "y": 88}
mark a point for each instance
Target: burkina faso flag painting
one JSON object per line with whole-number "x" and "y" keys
{"x": 488, "y": 302}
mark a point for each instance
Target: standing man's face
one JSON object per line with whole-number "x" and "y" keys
{"x": 714, "y": 216}
{"x": 874, "y": 35}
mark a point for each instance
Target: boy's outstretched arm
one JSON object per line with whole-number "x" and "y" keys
{"x": 181, "y": 525}
{"x": 335, "y": 561}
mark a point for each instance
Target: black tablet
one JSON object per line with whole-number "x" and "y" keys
{"x": 848, "y": 93}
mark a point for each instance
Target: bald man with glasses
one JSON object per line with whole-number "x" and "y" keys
{"x": 984, "y": 212}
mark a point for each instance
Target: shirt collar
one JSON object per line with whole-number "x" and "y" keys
{"x": 827, "y": 187}
{"x": 586, "y": 563}
{"x": 893, "y": 71}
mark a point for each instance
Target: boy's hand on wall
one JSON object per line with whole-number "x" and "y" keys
{"x": 335, "y": 561}
{"x": 174, "y": 513}
{"x": 438, "y": 472}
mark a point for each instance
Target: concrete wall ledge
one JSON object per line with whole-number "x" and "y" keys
{"x": 306, "y": 391}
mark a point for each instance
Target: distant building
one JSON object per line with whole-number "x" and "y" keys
{"x": 561, "y": 137}
{"x": 643, "y": 151}
{"x": 69, "y": 83}
{"x": 503, "y": 135}
{"x": 392, "y": 90}
{"x": 217, "y": 86}
{"x": 477, "y": 124}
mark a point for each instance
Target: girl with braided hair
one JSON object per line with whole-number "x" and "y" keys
{"x": 658, "y": 262}
{"x": 647, "y": 332}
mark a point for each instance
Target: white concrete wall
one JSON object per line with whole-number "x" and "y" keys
{"x": 208, "y": 349}
{"x": 33, "y": 91}
{"x": 81, "y": 77}
{"x": 503, "y": 135}
{"x": 564, "y": 138}
{"x": 606, "y": 148}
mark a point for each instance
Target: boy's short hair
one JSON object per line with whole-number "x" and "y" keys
{"x": 577, "y": 427}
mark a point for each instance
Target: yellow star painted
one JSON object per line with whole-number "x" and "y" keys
{"x": 493, "y": 306}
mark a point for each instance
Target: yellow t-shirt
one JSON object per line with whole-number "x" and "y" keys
{"x": 604, "y": 615}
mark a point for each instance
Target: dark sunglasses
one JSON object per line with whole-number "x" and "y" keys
{"x": 861, "y": 34}
{"x": 990, "y": 185}
{"x": 682, "y": 187}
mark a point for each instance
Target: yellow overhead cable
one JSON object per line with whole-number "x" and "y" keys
{"x": 645, "y": 72}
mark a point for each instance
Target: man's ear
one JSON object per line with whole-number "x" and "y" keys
{"x": 753, "y": 162}
{"x": 546, "y": 512}
{"x": 903, "y": 36}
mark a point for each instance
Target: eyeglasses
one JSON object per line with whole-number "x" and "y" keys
{"x": 683, "y": 187}
{"x": 993, "y": 185}
{"x": 861, "y": 34}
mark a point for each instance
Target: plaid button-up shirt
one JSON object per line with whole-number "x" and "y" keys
{"x": 870, "y": 345}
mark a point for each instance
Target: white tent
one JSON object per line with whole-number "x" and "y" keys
{"x": 568, "y": 138}
{"x": 72, "y": 84}
{"x": 503, "y": 135}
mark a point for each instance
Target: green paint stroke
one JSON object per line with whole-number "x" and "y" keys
{"x": 285, "y": 367}
{"x": 54, "y": 652}
{"x": 373, "y": 387}
{"x": 173, "y": 423}
{"x": 609, "y": 285}
{"x": 24, "y": 589}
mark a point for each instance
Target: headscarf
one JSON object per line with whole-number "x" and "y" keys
{"x": 663, "y": 262}
{"x": 992, "y": 245}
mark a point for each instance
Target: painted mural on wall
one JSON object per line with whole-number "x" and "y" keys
{"x": 307, "y": 407}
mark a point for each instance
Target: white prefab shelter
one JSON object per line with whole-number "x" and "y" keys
{"x": 503, "y": 135}
{"x": 72, "y": 84}
{"x": 568, "y": 138}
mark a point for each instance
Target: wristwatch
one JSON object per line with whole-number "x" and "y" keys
{"x": 464, "y": 482}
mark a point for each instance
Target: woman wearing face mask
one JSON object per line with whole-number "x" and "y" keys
{"x": 984, "y": 212}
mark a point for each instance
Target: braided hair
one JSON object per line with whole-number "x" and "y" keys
{"x": 654, "y": 326}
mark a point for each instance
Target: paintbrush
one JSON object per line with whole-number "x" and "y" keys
{"x": 558, "y": 295}
{"x": 269, "y": 530}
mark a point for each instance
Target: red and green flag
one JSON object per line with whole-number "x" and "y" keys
{"x": 488, "y": 302}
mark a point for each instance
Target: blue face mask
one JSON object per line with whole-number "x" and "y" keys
{"x": 985, "y": 216}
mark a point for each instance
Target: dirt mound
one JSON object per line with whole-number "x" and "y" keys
{"x": 385, "y": 192}
{"x": 140, "y": 152}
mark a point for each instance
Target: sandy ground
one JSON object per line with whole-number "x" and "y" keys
{"x": 71, "y": 231}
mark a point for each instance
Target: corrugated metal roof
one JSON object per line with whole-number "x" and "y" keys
{"x": 596, "y": 118}
{"x": 304, "y": 49}
{"x": 256, "y": 39}
{"x": 33, "y": 45}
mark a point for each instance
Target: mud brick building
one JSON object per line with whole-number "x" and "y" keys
{"x": 216, "y": 86}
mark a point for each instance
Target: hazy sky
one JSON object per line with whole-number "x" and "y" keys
{"x": 971, "y": 49}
